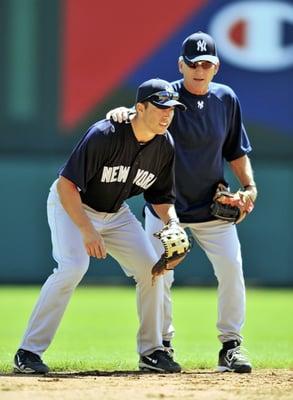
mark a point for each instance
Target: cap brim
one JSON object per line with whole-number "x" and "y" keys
{"x": 204, "y": 57}
{"x": 169, "y": 103}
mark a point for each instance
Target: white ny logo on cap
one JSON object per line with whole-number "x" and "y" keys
{"x": 201, "y": 45}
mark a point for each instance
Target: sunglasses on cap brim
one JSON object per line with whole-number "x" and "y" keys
{"x": 162, "y": 96}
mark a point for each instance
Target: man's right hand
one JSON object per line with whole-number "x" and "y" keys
{"x": 118, "y": 114}
{"x": 94, "y": 243}
{"x": 71, "y": 202}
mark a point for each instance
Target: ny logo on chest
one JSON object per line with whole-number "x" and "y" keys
{"x": 200, "y": 104}
{"x": 143, "y": 179}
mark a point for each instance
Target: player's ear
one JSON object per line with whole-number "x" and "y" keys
{"x": 180, "y": 62}
{"x": 139, "y": 107}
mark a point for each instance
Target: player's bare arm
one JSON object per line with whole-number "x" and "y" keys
{"x": 71, "y": 201}
{"x": 166, "y": 212}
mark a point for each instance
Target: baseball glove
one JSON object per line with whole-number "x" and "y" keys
{"x": 176, "y": 244}
{"x": 231, "y": 207}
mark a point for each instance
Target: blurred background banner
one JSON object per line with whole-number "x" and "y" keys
{"x": 65, "y": 63}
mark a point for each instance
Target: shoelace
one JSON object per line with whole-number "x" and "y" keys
{"x": 168, "y": 355}
{"x": 236, "y": 353}
{"x": 169, "y": 350}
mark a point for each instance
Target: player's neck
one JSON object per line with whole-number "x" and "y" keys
{"x": 141, "y": 134}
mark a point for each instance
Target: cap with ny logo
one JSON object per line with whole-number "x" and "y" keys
{"x": 199, "y": 47}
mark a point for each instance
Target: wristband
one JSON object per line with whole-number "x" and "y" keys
{"x": 173, "y": 221}
{"x": 249, "y": 186}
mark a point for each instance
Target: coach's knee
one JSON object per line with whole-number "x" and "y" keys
{"x": 143, "y": 272}
{"x": 229, "y": 273}
{"x": 168, "y": 279}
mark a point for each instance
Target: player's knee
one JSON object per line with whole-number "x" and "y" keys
{"x": 144, "y": 272}
{"x": 71, "y": 274}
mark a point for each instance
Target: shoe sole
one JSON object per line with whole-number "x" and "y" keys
{"x": 18, "y": 370}
{"x": 244, "y": 369}
{"x": 149, "y": 368}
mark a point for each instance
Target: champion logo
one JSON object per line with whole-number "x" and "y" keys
{"x": 200, "y": 104}
{"x": 243, "y": 37}
{"x": 201, "y": 45}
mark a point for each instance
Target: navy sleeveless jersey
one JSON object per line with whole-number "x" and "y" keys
{"x": 208, "y": 133}
{"x": 109, "y": 165}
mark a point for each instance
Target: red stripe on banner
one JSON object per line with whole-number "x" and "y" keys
{"x": 102, "y": 42}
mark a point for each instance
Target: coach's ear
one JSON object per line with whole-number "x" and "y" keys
{"x": 217, "y": 66}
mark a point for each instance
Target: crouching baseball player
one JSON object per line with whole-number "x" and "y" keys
{"x": 88, "y": 216}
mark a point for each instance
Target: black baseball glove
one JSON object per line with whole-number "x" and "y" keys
{"x": 231, "y": 207}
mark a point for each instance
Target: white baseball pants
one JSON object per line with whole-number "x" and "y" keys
{"x": 127, "y": 242}
{"x": 219, "y": 240}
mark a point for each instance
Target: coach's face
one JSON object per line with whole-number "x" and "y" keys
{"x": 198, "y": 76}
{"x": 155, "y": 119}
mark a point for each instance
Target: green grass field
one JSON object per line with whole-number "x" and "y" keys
{"x": 98, "y": 331}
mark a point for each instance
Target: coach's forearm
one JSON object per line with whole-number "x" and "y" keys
{"x": 165, "y": 212}
{"x": 242, "y": 169}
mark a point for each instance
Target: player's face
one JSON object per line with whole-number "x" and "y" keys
{"x": 198, "y": 76}
{"x": 157, "y": 120}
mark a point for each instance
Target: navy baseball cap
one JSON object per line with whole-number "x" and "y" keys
{"x": 199, "y": 47}
{"x": 160, "y": 93}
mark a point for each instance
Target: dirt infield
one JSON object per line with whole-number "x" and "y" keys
{"x": 199, "y": 385}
